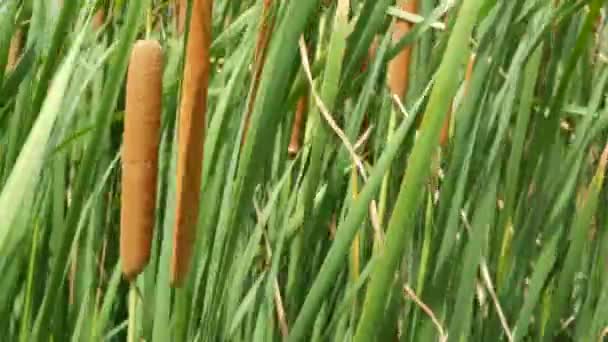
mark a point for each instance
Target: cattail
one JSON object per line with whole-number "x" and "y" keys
{"x": 140, "y": 155}
{"x": 98, "y": 19}
{"x": 399, "y": 67}
{"x": 261, "y": 46}
{"x": 14, "y": 50}
{"x": 191, "y": 137}
{"x": 298, "y": 123}
{"x": 181, "y": 10}
{"x": 371, "y": 54}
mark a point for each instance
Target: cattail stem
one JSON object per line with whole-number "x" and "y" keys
{"x": 140, "y": 155}
{"x": 191, "y": 137}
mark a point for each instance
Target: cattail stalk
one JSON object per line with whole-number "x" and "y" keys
{"x": 191, "y": 137}
{"x": 140, "y": 155}
{"x": 267, "y": 24}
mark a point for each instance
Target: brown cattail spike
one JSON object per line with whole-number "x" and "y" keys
{"x": 140, "y": 155}
{"x": 399, "y": 67}
{"x": 191, "y": 137}
{"x": 371, "y": 54}
{"x": 181, "y": 10}
{"x": 98, "y": 19}
{"x": 298, "y": 124}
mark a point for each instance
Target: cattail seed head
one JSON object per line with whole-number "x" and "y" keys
{"x": 140, "y": 155}
{"x": 98, "y": 19}
{"x": 191, "y": 137}
{"x": 181, "y": 10}
{"x": 399, "y": 67}
{"x": 298, "y": 124}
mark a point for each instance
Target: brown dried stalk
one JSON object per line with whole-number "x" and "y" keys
{"x": 191, "y": 137}
{"x": 140, "y": 155}
{"x": 443, "y": 337}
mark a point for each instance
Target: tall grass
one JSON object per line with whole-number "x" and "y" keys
{"x": 334, "y": 204}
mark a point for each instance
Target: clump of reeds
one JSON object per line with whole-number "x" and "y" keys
{"x": 140, "y": 155}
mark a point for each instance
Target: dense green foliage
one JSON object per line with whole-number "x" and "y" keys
{"x": 373, "y": 231}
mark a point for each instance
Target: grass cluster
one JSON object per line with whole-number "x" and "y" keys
{"x": 419, "y": 170}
